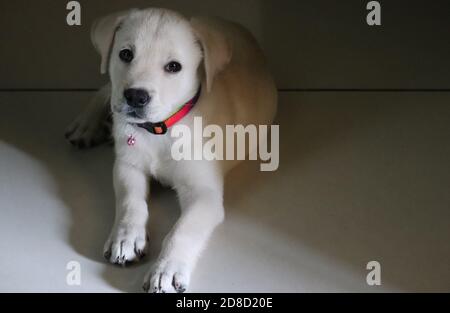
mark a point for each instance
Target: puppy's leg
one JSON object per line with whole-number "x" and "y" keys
{"x": 93, "y": 126}
{"x": 202, "y": 211}
{"x": 128, "y": 239}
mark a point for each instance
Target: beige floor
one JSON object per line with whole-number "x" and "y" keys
{"x": 363, "y": 176}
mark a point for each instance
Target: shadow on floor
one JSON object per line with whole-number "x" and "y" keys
{"x": 332, "y": 181}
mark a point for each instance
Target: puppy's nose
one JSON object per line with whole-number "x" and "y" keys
{"x": 136, "y": 98}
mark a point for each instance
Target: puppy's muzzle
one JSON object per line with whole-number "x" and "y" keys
{"x": 137, "y": 98}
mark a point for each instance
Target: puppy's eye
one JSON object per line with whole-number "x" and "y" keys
{"x": 126, "y": 55}
{"x": 173, "y": 67}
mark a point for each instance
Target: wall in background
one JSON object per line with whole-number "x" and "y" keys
{"x": 309, "y": 43}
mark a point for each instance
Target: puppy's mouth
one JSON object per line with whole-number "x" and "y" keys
{"x": 135, "y": 115}
{"x": 132, "y": 115}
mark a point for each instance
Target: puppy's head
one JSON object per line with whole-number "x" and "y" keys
{"x": 153, "y": 58}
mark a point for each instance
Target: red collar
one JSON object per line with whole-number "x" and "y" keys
{"x": 160, "y": 128}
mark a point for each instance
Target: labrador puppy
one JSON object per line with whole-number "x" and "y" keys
{"x": 160, "y": 62}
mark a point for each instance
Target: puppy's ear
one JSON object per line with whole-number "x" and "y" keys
{"x": 217, "y": 48}
{"x": 102, "y": 35}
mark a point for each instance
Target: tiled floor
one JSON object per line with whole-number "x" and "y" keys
{"x": 363, "y": 176}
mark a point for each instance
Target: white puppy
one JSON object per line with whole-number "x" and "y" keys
{"x": 158, "y": 61}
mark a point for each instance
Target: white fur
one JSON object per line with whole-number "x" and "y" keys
{"x": 237, "y": 89}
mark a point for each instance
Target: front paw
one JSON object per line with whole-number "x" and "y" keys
{"x": 167, "y": 276}
{"x": 87, "y": 132}
{"x": 126, "y": 244}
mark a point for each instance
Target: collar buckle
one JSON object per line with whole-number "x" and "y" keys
{"x": 159, "y": 128}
